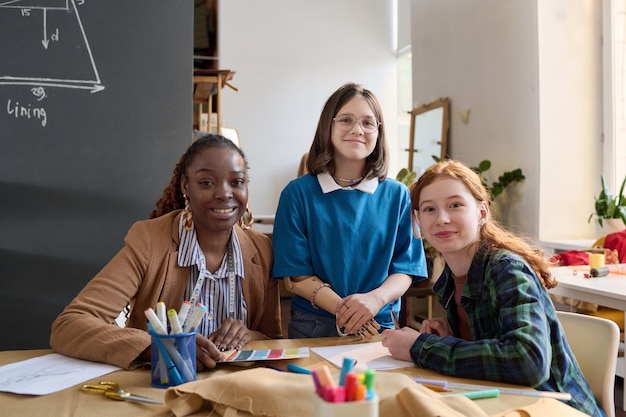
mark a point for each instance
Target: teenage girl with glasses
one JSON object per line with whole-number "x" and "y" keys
{"x": 342, "y": 238}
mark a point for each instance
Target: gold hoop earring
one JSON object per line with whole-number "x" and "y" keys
{"x": 187, "y": 217}
{"x": 246, "y": 221}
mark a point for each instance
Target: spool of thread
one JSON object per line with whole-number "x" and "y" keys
{"x": 596, "y": 260}
{"x": 599, "y": 272}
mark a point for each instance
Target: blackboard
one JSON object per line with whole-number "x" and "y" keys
{"x": 95, "y": 111}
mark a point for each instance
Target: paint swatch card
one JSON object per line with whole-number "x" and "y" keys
{"x": 264, "y": 354}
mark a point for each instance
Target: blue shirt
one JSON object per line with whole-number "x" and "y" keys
{"x": 351, "y": 238}
{"x": 517, "y": 337}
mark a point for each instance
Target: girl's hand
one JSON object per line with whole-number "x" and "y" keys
{"x": 207, "y": 354}
{"x": 399, "y": 342}
{"x": 437, "y": 326}
{"x": 355, "y": 312}
{"x": 233, "y": 334}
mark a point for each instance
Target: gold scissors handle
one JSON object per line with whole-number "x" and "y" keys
{"x": 112, "y": 390}
{"x": 100, "y": 388}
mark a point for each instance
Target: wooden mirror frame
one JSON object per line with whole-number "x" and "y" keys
{"x": 443, "y": 103}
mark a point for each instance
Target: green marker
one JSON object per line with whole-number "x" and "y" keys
{"x": 477, "y": 395}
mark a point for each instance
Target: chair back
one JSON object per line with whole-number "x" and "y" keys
{"x": 232, "y": 134}
{"x": 595, "y": 343}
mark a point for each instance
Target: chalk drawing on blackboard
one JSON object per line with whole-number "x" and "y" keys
{"x": 43, "y": 43}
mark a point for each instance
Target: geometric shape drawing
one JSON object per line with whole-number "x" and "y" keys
{"x": 43, "y": 43}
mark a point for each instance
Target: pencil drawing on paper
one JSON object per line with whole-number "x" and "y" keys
{"x": 31, "y": 374}
{"x": 43, "y": 44}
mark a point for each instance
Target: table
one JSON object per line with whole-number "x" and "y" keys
{"x": 73, "y": 402}
{"x": 608, "y": 291}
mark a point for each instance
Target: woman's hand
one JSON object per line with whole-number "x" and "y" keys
{"x": 399, "y": 342}
{"x": 437, "y": 326}
{"x": 355, "y": 312}
{"x": 207, "y": 354}
{"x": 233, "y": 334}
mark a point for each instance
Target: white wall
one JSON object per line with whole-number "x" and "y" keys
{"x": 289, "y": 57}
{"x": 528, "y": 72}
{"x": 570, "y": 80}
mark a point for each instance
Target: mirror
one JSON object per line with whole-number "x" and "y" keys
{"x": 429, "y": 134}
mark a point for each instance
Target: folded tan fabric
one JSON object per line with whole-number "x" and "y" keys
{"x": 266, "y": 392}
{"x": 544, "y": 408}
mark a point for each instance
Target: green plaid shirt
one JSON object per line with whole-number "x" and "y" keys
{"x": 516, "y": 334}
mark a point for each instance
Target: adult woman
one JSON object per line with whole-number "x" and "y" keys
{"x": 342, "y": 234}
{"x": 181, "y": 255}
{"x": 500, "y": 324}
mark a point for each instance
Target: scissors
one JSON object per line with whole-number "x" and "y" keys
{"x": 112, "y": 390}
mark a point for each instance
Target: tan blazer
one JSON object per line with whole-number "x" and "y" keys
{"x": 144, "y": 272}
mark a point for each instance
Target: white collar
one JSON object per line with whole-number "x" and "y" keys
{"x": 328, "y": 184}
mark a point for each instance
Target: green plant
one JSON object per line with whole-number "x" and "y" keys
{"x": 406, "y": 177}
{"x": 608, "y": 206}
{"x": 495, "y": 189}
{"x": 504, "y": 180}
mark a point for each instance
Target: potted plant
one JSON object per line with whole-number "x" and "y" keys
{"x": 609, "y": 206}
{"x": 495, "y": 189}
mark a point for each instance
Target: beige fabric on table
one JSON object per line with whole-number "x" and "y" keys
{"x": 284, "y": 394}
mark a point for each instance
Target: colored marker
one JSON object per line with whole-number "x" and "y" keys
{"x": 161, "y": 314}
{"x": 316, "y": 381}
{"x": 436, "y": 388}
{"x": 156, "y": 327}
{"x": 351, "y": 384}
{"x": 171, "y": 367}
{"x": 155, "y": 321}
{"x": 182, "y": 312}
{"x": 369, "y": 383}
{"x": 298, "y": 369}
{"x": 348, "y": 366}
{"x": 478, "y": 395}
{"x": 195, "y": 319}
{"x": 174, "y": 323}
{"x": 435, "y": 382}
{"x": 325, "y": 377}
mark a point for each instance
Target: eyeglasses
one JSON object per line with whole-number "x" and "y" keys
{"x": 345, "y": 122}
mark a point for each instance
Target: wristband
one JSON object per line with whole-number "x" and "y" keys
{"x": 319, "y": 287}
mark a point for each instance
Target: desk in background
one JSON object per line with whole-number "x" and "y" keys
{"x": 72, "y": 402}
{"x": 553, "y": 247}
{"x": 609, "y": 291}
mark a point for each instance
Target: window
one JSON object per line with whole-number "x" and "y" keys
{"x": 405, "y": 103}
{"x": 614, "y": 154}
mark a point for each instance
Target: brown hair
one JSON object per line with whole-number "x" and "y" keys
{"x": 322, "y": 149}
{"x": 172, "y": 198}
{"x": 492, "y": 232}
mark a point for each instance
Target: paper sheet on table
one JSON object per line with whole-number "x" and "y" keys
{"x": 367, "y": 355}
{"x": 49, "y": 373}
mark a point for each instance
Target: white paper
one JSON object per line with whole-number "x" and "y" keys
{"x": 49, "y": 373}
{"x": 367, "y": 355}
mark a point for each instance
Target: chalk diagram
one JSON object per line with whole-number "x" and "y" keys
{"x": 43, "y": 44}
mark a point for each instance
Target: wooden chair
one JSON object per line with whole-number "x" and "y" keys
{"x": 594, "y": 342}
{"x": 231, "y": 133}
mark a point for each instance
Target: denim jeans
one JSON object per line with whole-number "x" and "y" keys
{"x": 303, "y": 325}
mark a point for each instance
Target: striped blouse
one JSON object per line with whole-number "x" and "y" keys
{"x": 215, "y": 291}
